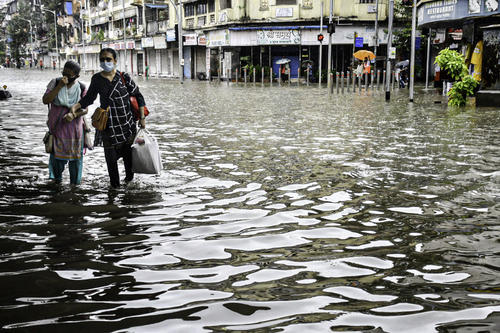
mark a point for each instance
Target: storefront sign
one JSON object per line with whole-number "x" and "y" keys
{"x": 284, "y": 12}
{"x": 392, "y": 53}
{"x": 455, "y": 34}
{"x": 358, "y": 42}
{"x": 202, "y": 40}
{"x": 440, "y": 36}
{"x": 147, "y": 42}
{"x": 160, "y": 42}
{"x": 130, "y": 44}
{"x": 218, "y": 38}
{"x": 171, "y": 37}
{"x": 278, "y": 37}
{"x": 444, "y": 10}
{"x": 190, "y": 39}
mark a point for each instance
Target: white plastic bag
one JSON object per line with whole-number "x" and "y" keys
{"x": 145, "y": 154}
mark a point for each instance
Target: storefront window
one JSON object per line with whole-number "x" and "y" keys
{"x": 163, "y": 14}
{"x": 189, "y": 10}
{"x": 201, "y": 9}
{"x": 225, "y": 4}
{"x": 211, "y": 6}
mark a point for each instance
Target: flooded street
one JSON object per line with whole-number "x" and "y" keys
{"x": 278, "y": 209}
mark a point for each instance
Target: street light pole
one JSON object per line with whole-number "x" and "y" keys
{"x": 55, "y": 32}
{"x": 389, "y": 46}
{"x": 330, "y": 22}
{"x": 376, "y": 36}
{"x": 124, "y": 34}
{"x": 412, "y": 56}
{"x": 31, "y": 41}
{"x": 320, "y": 45}
{"x": 178, "y": 13}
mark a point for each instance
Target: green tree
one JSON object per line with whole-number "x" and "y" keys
{"x": 402, "y": 36}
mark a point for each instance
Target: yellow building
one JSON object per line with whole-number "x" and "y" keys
{"x": 237, "y": 31}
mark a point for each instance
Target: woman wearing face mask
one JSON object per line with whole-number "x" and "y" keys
{"x": 114, "y": 92}
{"x": 66, "y": 125}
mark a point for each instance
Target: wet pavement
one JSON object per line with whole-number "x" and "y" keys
{"x": 279, "y": 209}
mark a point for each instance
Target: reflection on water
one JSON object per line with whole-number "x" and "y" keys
{"x": 278, "y": 208}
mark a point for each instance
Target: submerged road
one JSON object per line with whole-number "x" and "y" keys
{"x": 278, "y": 209}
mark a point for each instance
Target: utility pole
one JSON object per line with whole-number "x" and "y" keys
{"x": 412, "y": 56}
{"x": 181, "y": 45}
{"x": 145, "y": 30}
{"x": 178, "y": 13}
{"x": 55, "y": 32}
{"x": 376, "y": 36}
{"x": 330, "y": 23}
{"x": 428, "y": 60}
{"x": 320, "y": 45}
{"x": 124, "y": 34}
{"x": 31, "y": 41}
{"x": 389, "y": 46}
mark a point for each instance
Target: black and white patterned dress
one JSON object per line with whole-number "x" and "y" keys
{"x": 115, "y": 94}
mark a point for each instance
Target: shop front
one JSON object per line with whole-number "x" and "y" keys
{"x": 472, "y": 28}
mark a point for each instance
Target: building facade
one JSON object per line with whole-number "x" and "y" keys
{"x": 219, "y": 36}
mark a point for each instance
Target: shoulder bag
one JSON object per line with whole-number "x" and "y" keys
{"x": 134, "y": 105}
{"x": 100, "y": 118}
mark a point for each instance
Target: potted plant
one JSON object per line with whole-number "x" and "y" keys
{"x": 453, "y": 65}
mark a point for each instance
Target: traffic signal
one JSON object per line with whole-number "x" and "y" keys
{"x": 320, "y": 38}
{"x": 331, "y": 28}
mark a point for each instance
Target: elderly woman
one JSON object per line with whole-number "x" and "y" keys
{"x": 66, "y": 125}
{"x": 114, "y": 89}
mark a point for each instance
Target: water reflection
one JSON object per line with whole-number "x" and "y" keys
{"x": 278, "y": 208}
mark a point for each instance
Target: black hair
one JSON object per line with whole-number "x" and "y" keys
{"x": 108, "y": 50}
{"x": 72, "y": 66}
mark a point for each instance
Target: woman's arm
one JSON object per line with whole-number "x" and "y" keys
{"x": 51, "y": 95}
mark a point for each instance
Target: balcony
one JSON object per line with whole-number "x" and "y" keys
{"x": 155, "y": 27}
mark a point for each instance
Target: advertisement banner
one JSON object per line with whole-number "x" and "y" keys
{"x": 190, "y": 39}
{"x": 147, "y": 42}
{"x": 278, "y": 37}
{"x": 218, "y": 38}
{"x": 171, "y": 37}
{"x": 444, "y": 10}
{"x": 160, "y": 42}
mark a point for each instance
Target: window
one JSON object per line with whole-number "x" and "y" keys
{"x": 366, "y": 1}
{"x": 211, "y": 6}
{"x": 163, "y": 14}
{"x": 189, "y": 10}
{"x": 225, "y": 4}
{"x": 201, "y": 8}
{"x": 285, "y": 2}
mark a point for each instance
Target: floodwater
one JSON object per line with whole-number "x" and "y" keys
{"x": 279, "y": 209}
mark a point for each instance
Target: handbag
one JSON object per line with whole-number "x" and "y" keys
{"x": 100, "y": 118}
{"x": 134, "y": 105}
{"x": 48, "y": 140}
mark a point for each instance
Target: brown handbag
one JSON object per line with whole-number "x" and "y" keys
{"x": 100, "y": 118}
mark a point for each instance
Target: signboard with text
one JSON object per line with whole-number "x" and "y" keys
{"x": 445, "y": 10}
{"x": 358, "y": 42}
{"x": 278, "y": 37}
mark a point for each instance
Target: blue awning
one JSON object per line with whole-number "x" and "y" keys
{"x": 295, "y": 27}
{"x": 153, "y": 5}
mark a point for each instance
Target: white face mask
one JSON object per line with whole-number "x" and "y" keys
{"x": 107, "y": 66}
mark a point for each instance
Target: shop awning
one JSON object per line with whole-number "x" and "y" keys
{"x": 153, "y": 5}
{"x": 294, "y": 27}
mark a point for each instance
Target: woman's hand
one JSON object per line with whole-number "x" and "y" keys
{"x": 69, "y": 117}
{"x": 142, "y": 123}
{"x": 63, "y": 81}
